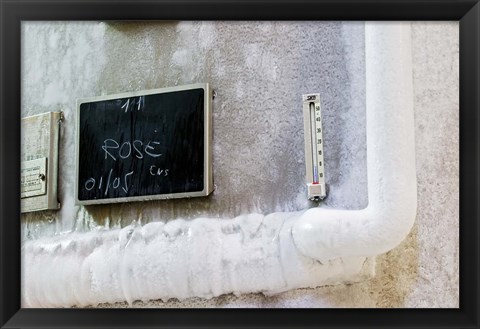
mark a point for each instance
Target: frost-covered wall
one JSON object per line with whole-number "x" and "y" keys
{"x": 259, "y": 70}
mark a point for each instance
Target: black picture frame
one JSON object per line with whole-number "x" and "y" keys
{"x": 12, "y": 12}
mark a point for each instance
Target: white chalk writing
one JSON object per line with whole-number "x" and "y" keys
{"x": 113, "y": 149}
{"x": 111, "y": 183}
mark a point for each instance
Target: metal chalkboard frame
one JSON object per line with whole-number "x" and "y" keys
{"x": 207, "y": 165}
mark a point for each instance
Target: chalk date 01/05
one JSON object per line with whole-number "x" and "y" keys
{"x": 120, "y": 182}
{"x": 111, "y": 183}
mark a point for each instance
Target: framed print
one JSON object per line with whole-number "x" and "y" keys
{"x": 239, "y": 164}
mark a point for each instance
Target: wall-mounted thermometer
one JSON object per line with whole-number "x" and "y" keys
{"x": 312, "y": 118}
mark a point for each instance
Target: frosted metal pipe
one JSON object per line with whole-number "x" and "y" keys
{"x": 208, "y": 257}
{"x": 326, "y": 234}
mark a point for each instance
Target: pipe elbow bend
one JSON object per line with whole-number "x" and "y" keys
{"x": 326, "y": 234}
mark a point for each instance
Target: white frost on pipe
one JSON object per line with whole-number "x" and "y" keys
{"x": 204, "y": 257}
{"x": 326, "y": 234}
{"x": 208, "y": 257}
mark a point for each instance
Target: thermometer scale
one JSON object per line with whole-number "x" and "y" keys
{"x": 312, "y": 117}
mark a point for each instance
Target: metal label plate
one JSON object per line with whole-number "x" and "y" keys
{"x": 33, "y": 180}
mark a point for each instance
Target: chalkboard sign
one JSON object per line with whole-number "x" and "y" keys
{"x": 145, "y": 145}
